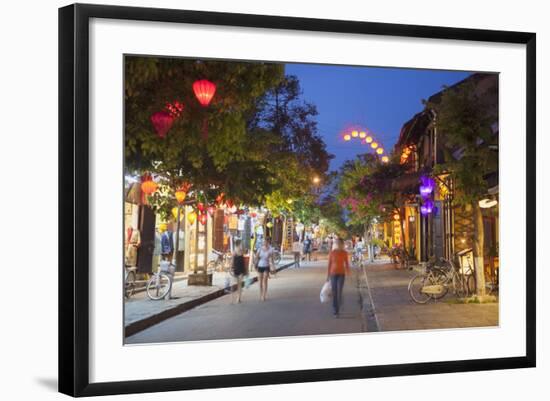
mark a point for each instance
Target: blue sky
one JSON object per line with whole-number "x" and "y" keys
{"x": 380, "y": 99}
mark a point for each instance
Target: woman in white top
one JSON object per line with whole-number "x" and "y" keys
{"x": 264, "y": 257}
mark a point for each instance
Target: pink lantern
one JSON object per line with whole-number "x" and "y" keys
{"x": 162, "y": 121}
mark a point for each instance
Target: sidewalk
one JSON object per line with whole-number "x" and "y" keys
{"x": 396, "y": 311}
{"x": 140, "y": 312}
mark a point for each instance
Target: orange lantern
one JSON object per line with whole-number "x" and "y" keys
{"x": 148, "y": 186}
{"x": 181, "y": 192}
{"x": 191, "y": 217}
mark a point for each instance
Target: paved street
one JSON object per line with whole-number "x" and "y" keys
{"x": 292, "y": 308}
{"x": 396, "y": 311}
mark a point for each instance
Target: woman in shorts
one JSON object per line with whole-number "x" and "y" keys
{"x": 264, "y": 258}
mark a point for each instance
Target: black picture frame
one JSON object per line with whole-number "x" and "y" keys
{"x": 74, "y": 198}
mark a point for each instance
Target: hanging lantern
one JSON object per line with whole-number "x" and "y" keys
{"x": 368, "y": 139}
{"x": 219, "y": 199}
{"x": 354, "y": 133}
{"x": 385, "y": 159}
{"x": 200, "y": 206}
{"x": 374, "y": 145}
{"x": 162, "y": 122}
{"x": 380, "y": 151}
{"x": 175, "y": 214}
{"x": 427, "y": 186}
{"x": 427, "y": 207}
{"x": 269, "y": 224}
{"x": 204, "y": 91}
{"x": 203, "y": 218}
{"x": 396, "y": 216}
{"x": 347, "y": 137}
{"x": 148, "y": 186}
{"x": 362, "y": 134}
{"x": 191, "y": 217}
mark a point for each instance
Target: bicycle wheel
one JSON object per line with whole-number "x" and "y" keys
{"x": 415, "y": 288}
{"x": 158, "y": 286}
{"x": 276, "y": 258}
{"x": 211, "y": 265}
{"x": 439, "y": 277}
{"x": 130, "y": 284}
{"x": 459, "y": 286}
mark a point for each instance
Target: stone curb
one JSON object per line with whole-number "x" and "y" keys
{"x": 140, "y": 325}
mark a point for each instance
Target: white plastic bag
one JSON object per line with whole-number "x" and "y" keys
{"x": 326, "y": 292}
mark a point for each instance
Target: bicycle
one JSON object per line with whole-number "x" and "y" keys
{"x": 276, "y": 257}
{"x": 435, "y": 282}
{"x": 222, "y": 263}
{"x": 129, "y": 281}
{"x": 160, "y": 284}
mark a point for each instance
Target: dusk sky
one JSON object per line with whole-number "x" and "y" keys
{"x": 380, "y": 99}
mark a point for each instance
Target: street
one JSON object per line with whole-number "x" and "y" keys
{"x": 292, "y": 308}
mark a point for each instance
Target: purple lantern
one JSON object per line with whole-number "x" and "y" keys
{"x": 427, "y": 186}
{"x": 427, "y": 207}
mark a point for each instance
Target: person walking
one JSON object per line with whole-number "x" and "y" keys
{"x": 264, "y": 259}
{"x": 307, "y": 249}
{"x": 238, "y": 269}
{"x": 296, "y": 250}
{"x": 338, "y": 268}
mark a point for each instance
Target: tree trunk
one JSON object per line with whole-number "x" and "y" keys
{"x": 479, "y": 238}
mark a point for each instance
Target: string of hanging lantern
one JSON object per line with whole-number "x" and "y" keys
{"x": 365, "y": 137}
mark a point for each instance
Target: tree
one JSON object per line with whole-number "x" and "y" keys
{"x": 464, "y": 116}
{"x": 365, "y": 190}
{"x": 233, "y": 160}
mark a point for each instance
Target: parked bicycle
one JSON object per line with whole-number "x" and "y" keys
{"x": 129, "y": 281}
{"x": 436, "y": 281}
{"x": 222, "y": 263}
{"x": 160, "y": 283}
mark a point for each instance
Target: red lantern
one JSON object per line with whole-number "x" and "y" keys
{"x": 202, "y": 218}
{"x": 204, "y": 91}
{"x": 219, "y": 199}
{"x": 162, "y": 121}
{"x": 200, "y": 206}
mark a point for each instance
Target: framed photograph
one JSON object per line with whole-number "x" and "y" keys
{"x": 251, "y": 199}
